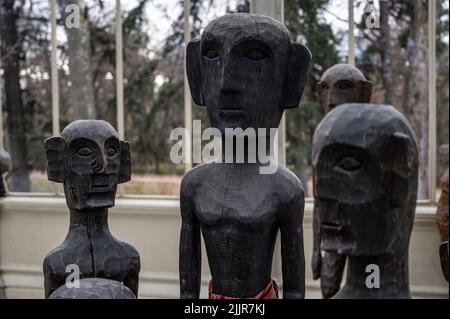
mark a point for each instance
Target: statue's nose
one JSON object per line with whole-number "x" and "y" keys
{"x": 99, "y": 165}
{"x": 230, "y": 85}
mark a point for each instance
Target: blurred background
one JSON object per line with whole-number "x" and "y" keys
{"x": 394, "y": 57}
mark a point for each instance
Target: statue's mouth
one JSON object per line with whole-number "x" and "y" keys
{"x": 100, "y": 183}
{"x": 232, "y": 110}
{"x": 336, "y": 237}
{"x": 100, "y": 188}
{"x": 330, "y": 227}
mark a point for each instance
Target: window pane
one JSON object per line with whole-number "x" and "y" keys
{"x": 153, "y": 91}
{"x": 87, "y": 62}
{"x": 394, "y": 56}
{"x": 27, "y": 92}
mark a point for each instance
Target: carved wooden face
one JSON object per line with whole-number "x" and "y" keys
{"x": 365, "y": 174}
{"x": 246, "y": 70}
{"x": 94, "y": 161}
{"x": 343, "y": 83}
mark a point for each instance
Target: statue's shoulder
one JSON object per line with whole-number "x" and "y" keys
{"x": 129, "y": 250}
{"x": 53, "y": 261}
{"x": 287, "y": 185}
{"x": 197, "y": 175}
{"x": 68, "y": 252}
{"x": 126, "y": 255}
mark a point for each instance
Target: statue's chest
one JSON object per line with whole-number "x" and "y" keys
{"x": 218, "y": 205}
{"x": 97, "y": 255}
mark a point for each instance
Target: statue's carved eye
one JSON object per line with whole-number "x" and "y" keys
{"x": 349, "y": 164}
{"x": 324, "y": 86}
{"x": 255, "y": 55}
{"x": 211, "y": 54}
{"x": 112, "y": 151}
{"x": 85, "y": 151}
{"x": 345, "y": 85}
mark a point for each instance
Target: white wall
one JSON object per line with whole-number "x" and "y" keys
{"x": 31, "y": 227}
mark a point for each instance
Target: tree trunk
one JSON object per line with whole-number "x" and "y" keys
{"x": 10, "y": 49}
{"x": 387, "y": 71}
{"x": 81, "y": 94}
{"x": 416, "y": 89}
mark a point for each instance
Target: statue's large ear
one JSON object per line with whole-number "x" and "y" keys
{"x": 125, "y": 162}
{"x": 296, "y": 75}
{"x": 399, "y": 151}
{"x": 365, "y": 91}
{"x": 194, "y": 72}
{"x": 54, "y": 147}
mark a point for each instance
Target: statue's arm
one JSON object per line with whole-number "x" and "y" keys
{"x": 132, "y": 278}
{"x": 190, "y": 250}
{"x": 292, "y": 250}
{"x": 316, "y": 261}
{"x": 50, "y": 285}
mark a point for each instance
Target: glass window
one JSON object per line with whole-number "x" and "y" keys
{"x": 393, "y": 55}
{"x": 26, "y": 95}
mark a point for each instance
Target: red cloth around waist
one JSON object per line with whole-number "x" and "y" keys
{"x": 270, "y": 292}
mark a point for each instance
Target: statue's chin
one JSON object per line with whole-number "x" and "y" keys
{"x": 337, "y": 246}
{"x": 97, "y": 200}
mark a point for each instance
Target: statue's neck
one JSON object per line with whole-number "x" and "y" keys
{"x": 254, "y": 150}
{"x": 393, "y": 274}
{"x": 95, "y": 221}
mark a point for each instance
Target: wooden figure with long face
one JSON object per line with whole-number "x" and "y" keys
{"x": 366, "y": 176}
{"x": 90, "y": 160}
{"x": 246, "y": 70}
{"x": 340, "y": 84}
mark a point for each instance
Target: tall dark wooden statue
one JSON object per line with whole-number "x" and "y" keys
{"x": 90, "y": 160}
{"x": 442, "y": 221}
{"x": 340, "y": 84}
{"x": 366, "y": 167}
{"x": 247, "y": 70}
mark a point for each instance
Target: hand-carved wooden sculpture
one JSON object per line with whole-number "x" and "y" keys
{"x": 343, "y": 83}
{"x": 5, "y": 166}
{"x": 366, "y": 167}
{"x": 247, "y": 70}
{"x": 90, "y": 160}
{"x": 340, "y": 84}
{"x": 442, "y": 221}
{"x": 94, "y": 288}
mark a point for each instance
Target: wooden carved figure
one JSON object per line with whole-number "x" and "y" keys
{"x": 366, "y": 175}
{"x": 246, "y": 70}
{"x": 340, "y": 84}
{"x": 90, "y": 160}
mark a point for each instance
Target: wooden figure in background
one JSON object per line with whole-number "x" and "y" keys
{"x": 340, "y": 84}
